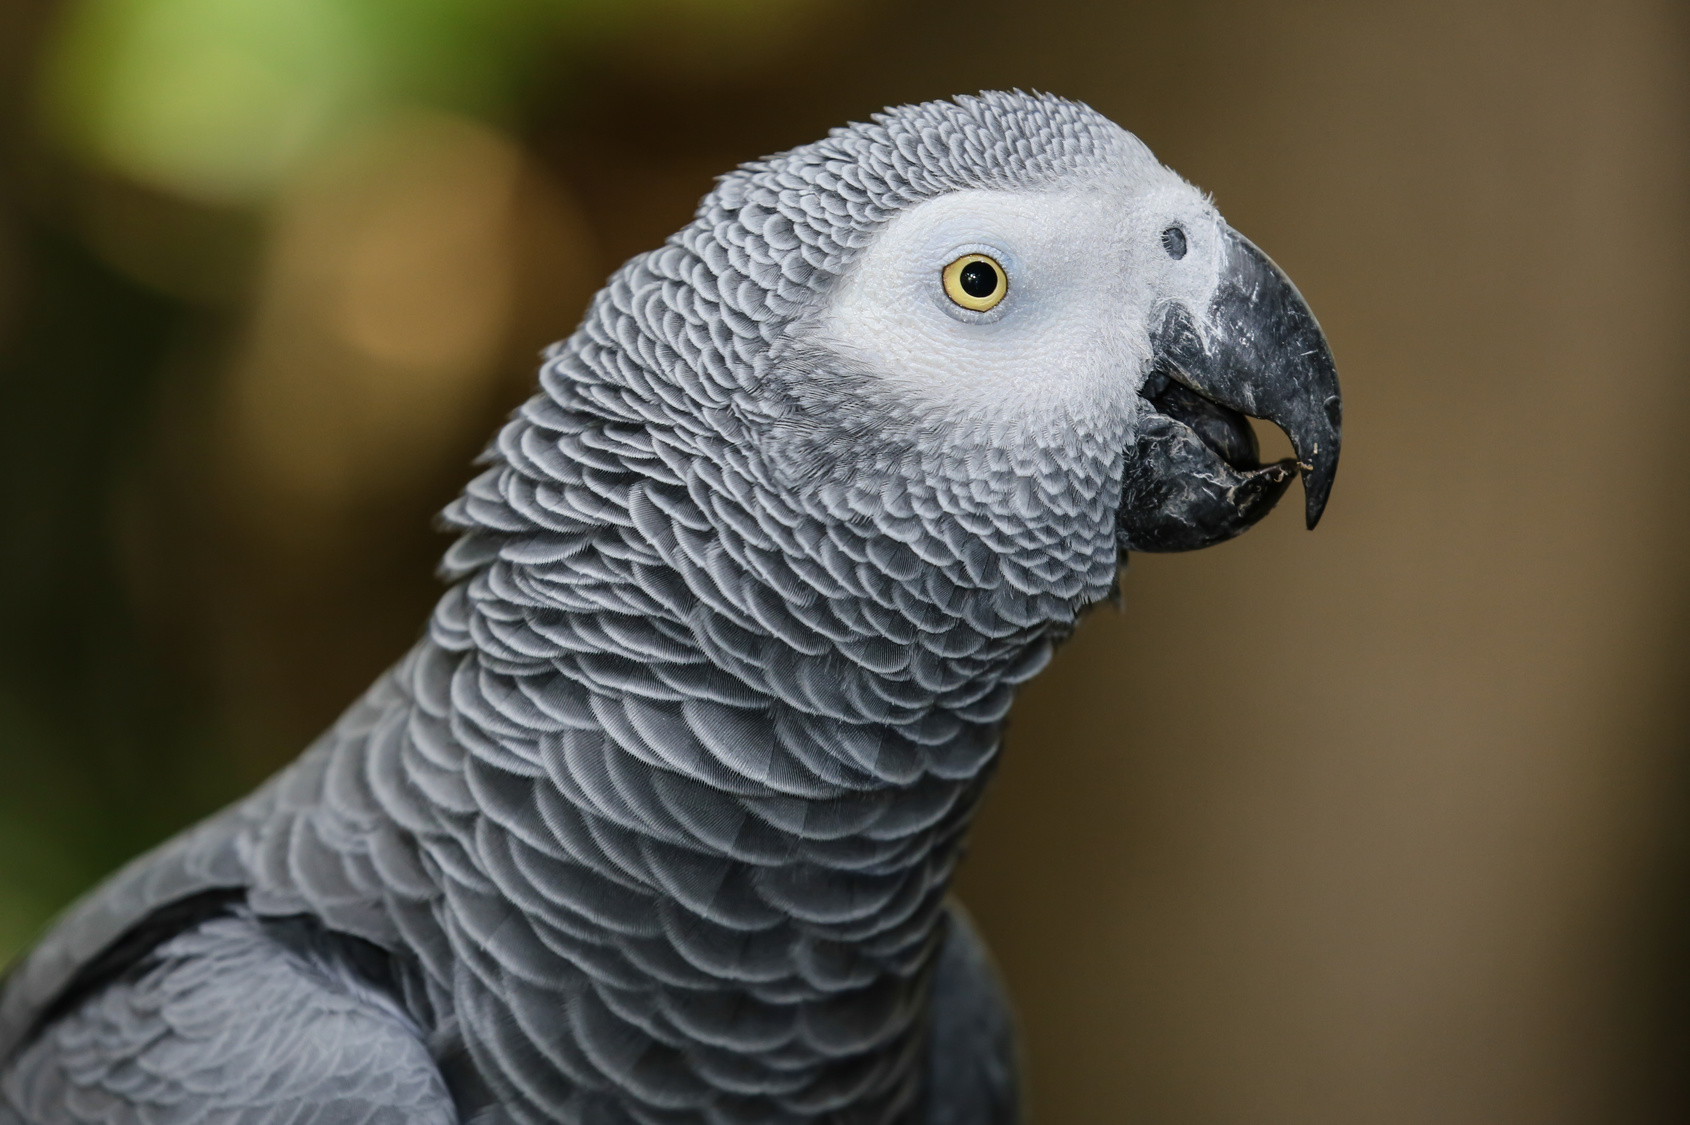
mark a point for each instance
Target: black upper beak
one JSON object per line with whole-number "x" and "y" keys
{"x": 1193, "y": 477}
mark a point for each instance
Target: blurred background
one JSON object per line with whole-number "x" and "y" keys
{"x": 1385, "y": 824}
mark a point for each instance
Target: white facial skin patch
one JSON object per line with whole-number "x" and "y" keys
{"x": 1086, "y": 269}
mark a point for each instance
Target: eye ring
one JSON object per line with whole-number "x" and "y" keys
{"x": 976, "y": 282}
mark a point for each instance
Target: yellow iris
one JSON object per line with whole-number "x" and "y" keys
{"x": 976, "y": 282}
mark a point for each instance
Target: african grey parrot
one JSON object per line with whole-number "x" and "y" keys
{"x": 654, "y": 825}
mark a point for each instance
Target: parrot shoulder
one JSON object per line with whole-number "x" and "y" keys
{"x": 145, "y": 901}
{"x": 260, "y": 1020}
{"x": 241, "y": 853}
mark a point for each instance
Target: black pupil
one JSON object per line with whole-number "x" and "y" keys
{"x": 979, "y": 279}
{"x": 1173, "y": 241}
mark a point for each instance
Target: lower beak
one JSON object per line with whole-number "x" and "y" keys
{"x": 1193, "y": 477}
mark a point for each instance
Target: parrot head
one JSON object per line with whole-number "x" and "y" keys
{"x": 959, "y": 359}
{"x": 1013, "y": 279}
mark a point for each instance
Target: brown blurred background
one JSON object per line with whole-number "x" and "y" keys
{"x": 1389, "y": 823}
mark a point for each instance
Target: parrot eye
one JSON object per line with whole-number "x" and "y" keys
{"x": 976, "y": 282}
{"x": 1173, "y": 241}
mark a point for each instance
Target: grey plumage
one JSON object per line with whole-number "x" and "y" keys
{"x": 260, "y": 1020}
{"x": 655, "y": 823}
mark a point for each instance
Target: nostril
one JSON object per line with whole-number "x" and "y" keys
{"x": 1173, "y": 241}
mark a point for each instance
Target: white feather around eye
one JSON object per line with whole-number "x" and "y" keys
{"x": 1085, "y": 270}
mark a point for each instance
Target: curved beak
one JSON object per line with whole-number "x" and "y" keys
{"x": 1194, "y": 477}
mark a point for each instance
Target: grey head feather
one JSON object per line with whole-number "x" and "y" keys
{"x": 664, "y": 805}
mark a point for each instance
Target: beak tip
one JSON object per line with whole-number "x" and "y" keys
{"x": 1317, "y": 487}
